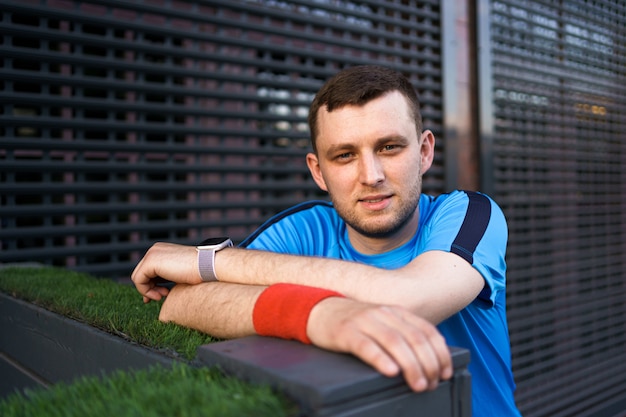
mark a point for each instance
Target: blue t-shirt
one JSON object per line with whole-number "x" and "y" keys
{"x": 466, "y": 223}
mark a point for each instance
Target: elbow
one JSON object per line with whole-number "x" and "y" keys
{"x": 166, "y": 315}
{"x": 171, "y": 306}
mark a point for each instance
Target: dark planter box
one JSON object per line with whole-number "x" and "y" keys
{"x": 332, "y": 384}
{"x": 38, "y": 348}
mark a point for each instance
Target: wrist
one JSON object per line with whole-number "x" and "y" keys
{"x": 206, "y": 256}
{"x": 318, "y": 330}
{"x": 283, "y": 310}
{"x": 221, "y": 264}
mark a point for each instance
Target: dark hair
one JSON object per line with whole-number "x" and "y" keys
{"x": 357, "y": 86}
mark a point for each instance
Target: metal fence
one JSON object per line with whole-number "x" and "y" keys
{"x": 127, "y": 122}
{"x": 558, "y": 140}
{"x": 124, "y": 123}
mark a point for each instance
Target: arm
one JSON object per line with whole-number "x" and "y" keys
{"x": 389, "y": 338}
{"x": 221, "y": 310}
{"x": 434, "y": 285}
{"x": 462, "y": 247}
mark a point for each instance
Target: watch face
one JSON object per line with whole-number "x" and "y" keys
{"x": 213, "y": 241}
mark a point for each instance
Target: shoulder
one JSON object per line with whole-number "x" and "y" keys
{"x": 467, "y": 223}
{"x": 305, "y": 219}
{"x": 460, "y": 204}
{"x": 458, "y": 198}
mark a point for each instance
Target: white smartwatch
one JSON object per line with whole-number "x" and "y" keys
{"x": 206, "y": 256}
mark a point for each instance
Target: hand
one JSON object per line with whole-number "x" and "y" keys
{"x": 389, "y": 338}
{"x": 175, "y": 263}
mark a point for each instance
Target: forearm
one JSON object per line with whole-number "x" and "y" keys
{"x": 388, "y": 338}
{"x": 435, "y": 285}
{"x": 222, "y": 310}
{"x": 255, "y": 267}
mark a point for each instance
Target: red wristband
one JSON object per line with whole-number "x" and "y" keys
{"x": 282, "y": 310}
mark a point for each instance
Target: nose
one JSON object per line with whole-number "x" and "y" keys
{"x": 371, "y": 170}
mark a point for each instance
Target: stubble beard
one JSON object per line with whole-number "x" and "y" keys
{"x": 372, "y": 229}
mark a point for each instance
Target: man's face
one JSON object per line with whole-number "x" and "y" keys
{"x": 370, "y": 159}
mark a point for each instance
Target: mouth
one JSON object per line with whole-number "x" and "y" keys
{"x": 376, "y": 202}
{"x": 373, "y": 200}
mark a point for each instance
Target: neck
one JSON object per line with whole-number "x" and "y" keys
{"x": 369, "y": 245}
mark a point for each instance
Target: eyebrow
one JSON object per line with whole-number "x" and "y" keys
{"x": 339, "y": 148}
{"x": 347, "y": 146}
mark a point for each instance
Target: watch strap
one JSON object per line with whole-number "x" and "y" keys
{"x": 206, "y": 264}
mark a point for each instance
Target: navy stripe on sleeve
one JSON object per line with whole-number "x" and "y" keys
{"x": 474, "y": 226}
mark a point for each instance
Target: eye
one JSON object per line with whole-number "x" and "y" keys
{"x": 390, "y": 148}
{"x": 344, "y": 156}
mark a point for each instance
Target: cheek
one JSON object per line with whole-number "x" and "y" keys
{"x": 404, "y": 174}
{"x": 338, "y": 181}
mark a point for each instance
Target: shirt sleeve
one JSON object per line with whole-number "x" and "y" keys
{"x": 472, "y": 226}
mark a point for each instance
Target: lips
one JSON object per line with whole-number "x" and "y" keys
{"x": 372, "y": 200}
{"x": 376, "y": 202}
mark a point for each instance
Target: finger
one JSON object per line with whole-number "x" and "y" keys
{"x": 378, "y": 336}
{"x": 436, "y": 342}
{"x": 379, "y": 340}
{"x": 428, "y": 363}
{"x": 407, "y": 349}
{"x": 337, "y": 324}
{"x": 372, "y": 353}
{"x": 156, "y": 293}
{"x": 409, "y": 344}
{"x": 143, "y": 276}
{"x": 140, "y": 278}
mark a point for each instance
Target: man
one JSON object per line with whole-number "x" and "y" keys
{"x": 387, "y": 262}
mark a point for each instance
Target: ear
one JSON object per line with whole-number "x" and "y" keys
{"x": 427, "y": 150}
{"x": 316, "y": 172}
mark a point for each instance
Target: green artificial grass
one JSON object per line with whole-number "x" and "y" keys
{"x": 102, "y": 303}
{"x": 182, "y": 391}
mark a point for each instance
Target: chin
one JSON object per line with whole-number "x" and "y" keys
{"x": 377, "y": 232}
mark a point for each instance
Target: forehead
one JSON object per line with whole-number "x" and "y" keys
{"x": 387, "y": 115}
